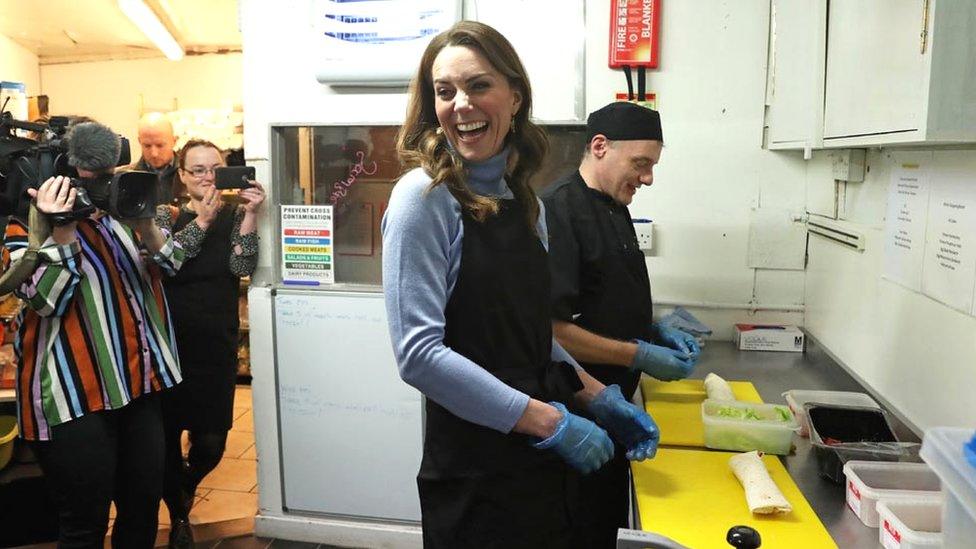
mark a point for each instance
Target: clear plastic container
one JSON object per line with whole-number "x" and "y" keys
{"x": 942, "y": 449}
{"x": 746, "y": 426}
{"x": 840, "y": 434}
{"x": 870, "y": 481}
{"x": 796, "y": 398}
{"x": 911, "y": 523}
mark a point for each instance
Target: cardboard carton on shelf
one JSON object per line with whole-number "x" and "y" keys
{"x": 769, "y": 337}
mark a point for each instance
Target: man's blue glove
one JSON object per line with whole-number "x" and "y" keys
{"x": 579, "y": 441}
{"x": 662, "y": 363}
{"x": 628, "y": 424}
{"x": 678, "y": 340}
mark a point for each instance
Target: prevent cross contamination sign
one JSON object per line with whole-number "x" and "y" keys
{"x": 306, "y": 245}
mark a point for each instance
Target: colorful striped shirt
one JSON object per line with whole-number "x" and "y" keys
{"x": 96, "y": 331}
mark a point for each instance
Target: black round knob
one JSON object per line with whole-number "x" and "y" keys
{"x": 743, "y": 537}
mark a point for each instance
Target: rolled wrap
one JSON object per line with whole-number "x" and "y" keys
{"x": 717, "y": 388}
{"x": 762, "y": 494}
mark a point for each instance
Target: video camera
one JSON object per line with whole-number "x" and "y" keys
{"x": 26, "y": 163}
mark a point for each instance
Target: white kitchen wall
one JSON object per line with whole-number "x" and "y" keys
{"x": 713, "y": 172}
{"x": 18, "y": 64}
{"x": 710, "y": 93}
{"x": 915, "y": 352}
{"x": 116, "y": 92}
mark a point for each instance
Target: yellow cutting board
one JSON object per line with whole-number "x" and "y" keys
{"x": 676, "y": 407}
{"x": 692, "y": 497}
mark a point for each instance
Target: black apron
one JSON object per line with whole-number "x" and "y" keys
{"x": 617, "y": 304}
{"x": 614, "y": 301}
{"x": 203, "y": 302}
{"x": 615, "y": 294}
{"x": 479, "y": 487}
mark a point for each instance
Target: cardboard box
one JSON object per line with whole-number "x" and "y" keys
{"x": 769, "y": 337}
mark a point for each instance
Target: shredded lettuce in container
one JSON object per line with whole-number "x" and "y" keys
{"x": 734, "y": 412}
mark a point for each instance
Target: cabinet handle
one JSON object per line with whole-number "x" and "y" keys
{"x": 925, "y": 26}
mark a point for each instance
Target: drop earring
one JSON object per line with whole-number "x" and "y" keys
{"x": 512, "y": 129}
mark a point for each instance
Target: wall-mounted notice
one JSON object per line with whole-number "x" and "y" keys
{"x": 949, "y": 270}
{"x": 306, "y": 245}
{"x": 908, "y": 199}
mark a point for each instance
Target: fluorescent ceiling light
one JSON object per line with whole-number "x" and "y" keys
{"x": 152, "y": 27}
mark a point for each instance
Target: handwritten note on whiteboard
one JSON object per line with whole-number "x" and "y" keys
{"x": 949, "y": 269}
{"x": 908, "y": 198}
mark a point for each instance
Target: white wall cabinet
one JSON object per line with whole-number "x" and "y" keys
{"x": 795, "y": 90}
{"x": 892, "y": 72}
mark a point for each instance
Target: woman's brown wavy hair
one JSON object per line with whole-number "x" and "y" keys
{"x": 419, "y": 144}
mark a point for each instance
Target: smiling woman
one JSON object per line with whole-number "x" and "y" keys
{"x": 466, "y": 281}
{"x": 470, "y": 98}
{"x": 475, "y": 104}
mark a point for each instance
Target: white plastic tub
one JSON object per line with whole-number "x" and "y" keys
{"x": 870, "y": 481}
{"x": 913, "y": 523}
{"x": 796, "y": 398}
{"x": 942, "y": 449}
{"x": 746, "y": 426}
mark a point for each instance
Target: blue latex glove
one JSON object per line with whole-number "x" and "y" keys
{"x": 628, "y": 424}
{"x": 662, "y": 363}
{"x": 579, "y": 441}
{"x": 681, "y": 319}
{"x": 678, "y": 340}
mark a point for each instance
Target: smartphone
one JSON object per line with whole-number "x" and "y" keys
{"x": 233, "y": 177}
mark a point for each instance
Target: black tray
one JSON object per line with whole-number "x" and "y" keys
{"x": 857, "y": 428}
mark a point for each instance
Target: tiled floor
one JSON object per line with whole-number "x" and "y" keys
{"x": 229, "y": 492}
{"x": 227, "y": 499}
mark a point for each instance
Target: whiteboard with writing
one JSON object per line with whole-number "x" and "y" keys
{"x": 351, "y": 430}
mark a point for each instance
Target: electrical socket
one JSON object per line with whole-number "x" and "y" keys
{"x": 645, "y": 234}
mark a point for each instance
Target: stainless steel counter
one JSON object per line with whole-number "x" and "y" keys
{"x": 774, "y": 373}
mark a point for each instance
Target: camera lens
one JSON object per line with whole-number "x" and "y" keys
{"x": 131, "y": 201}
{"x": 134, "y": 195}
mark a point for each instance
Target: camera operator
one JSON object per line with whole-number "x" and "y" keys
{"x": 221, "y": 246}
{"x": 95, "y": 346}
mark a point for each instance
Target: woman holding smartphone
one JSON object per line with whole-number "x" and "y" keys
{"x": 221, "y": 246}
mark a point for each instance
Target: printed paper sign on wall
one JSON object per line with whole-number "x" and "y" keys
{"x": 306, "y": 245}
{"x": 908, "y": 201}
{"x": 949, "y": 267}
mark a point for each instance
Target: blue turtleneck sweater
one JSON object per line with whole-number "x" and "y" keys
{"x": 422, "y": 235}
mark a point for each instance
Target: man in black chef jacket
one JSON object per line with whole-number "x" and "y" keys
{"x": 601, "y": 296}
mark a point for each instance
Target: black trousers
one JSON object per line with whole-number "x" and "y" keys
{"x": 603, "y": 504}
{"x": 528, "y": 509}
{"x": 105, "y": 456}
{"x": 182, "y": 476}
